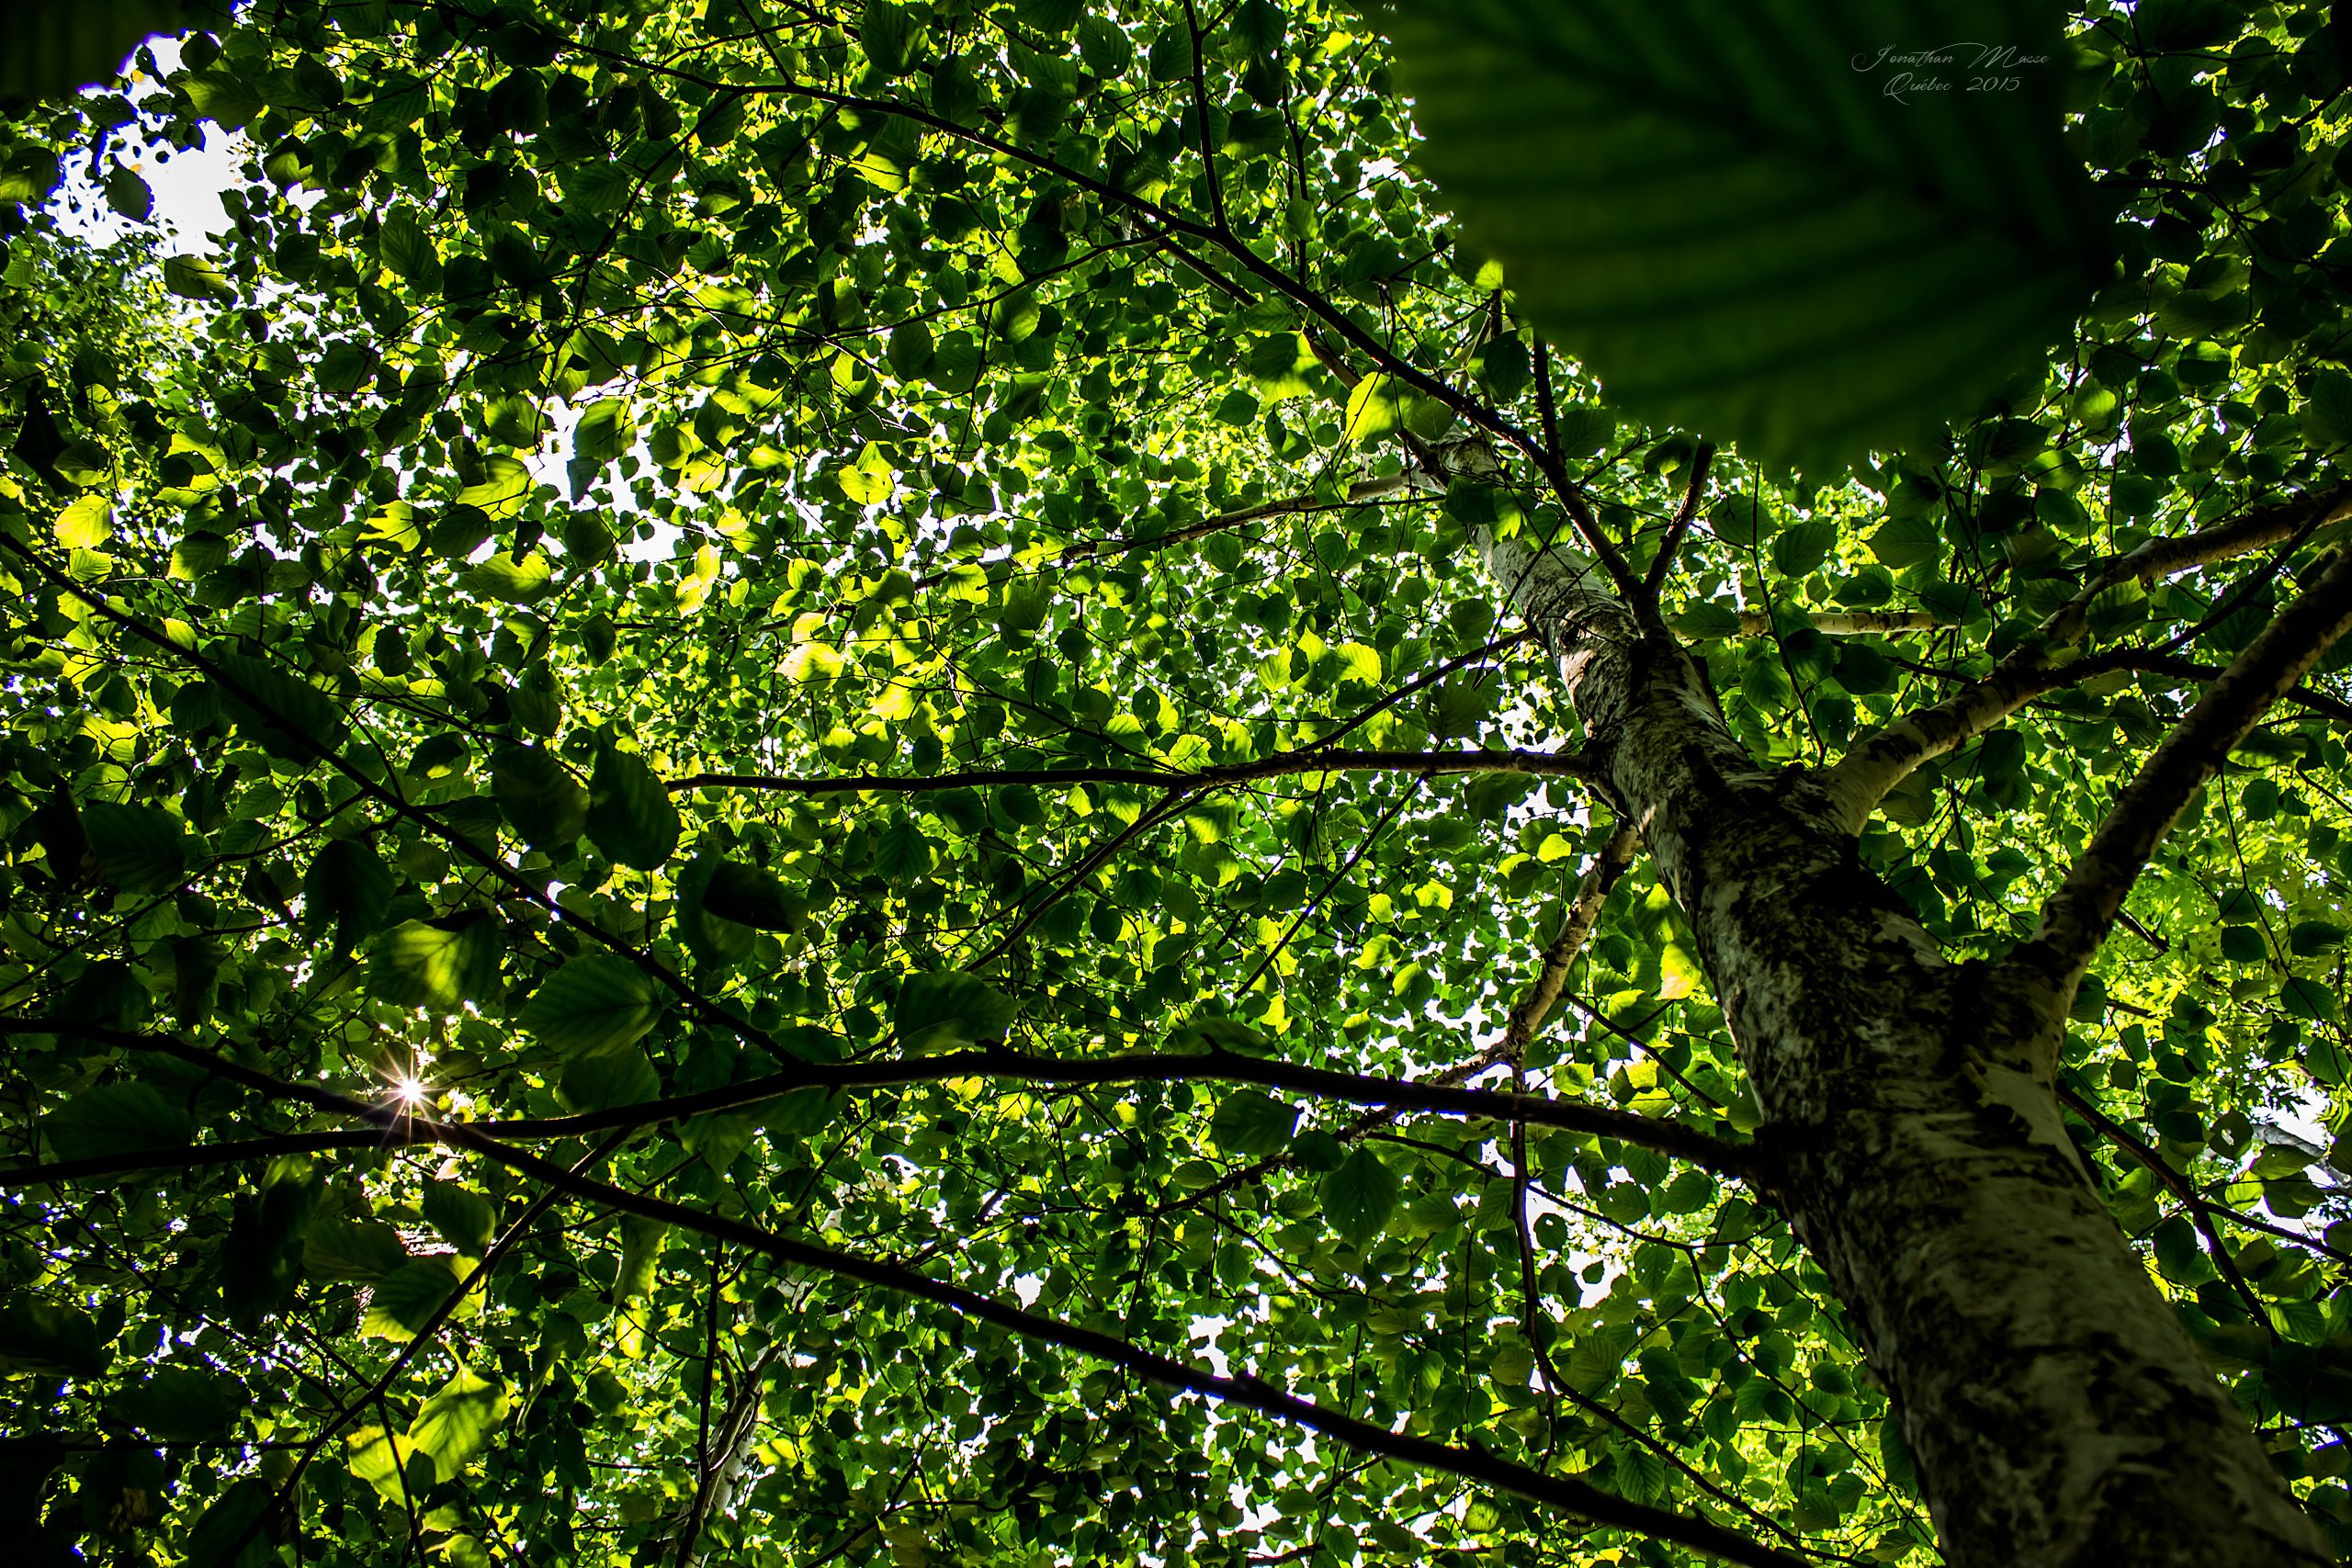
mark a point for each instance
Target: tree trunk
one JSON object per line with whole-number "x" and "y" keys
{"x": 2057, "y": 1411}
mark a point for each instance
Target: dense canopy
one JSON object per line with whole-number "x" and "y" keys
{"x": 771, "y": 794}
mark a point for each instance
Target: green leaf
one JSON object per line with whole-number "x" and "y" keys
{"x": 512, "y": 578}
{"x": 599, "y": 1083}
{"x": 950, "y": 1011}
{"x": 902, "y": 853}
{"x": 1908, "y": 542}
{"x": 59, "y": 47}
{"x": 405, "y": 248}
{"x": 1375, "y": 408}
{"x": 440, "y": 965}
{"x": 1361, "y": 1197}
{"x": 178, "y": 1404}
{"x": 458, "y": 532}
{"x": 749, "y": 897}
{"x": 120, "y": 1118}
{"x": 641, "y": 1241}
{"x": 2309, "y": 938}
{"x": 1505, "y": 368}
{"x": 224, "y": 95}
{"x": 2307, "y": 998}
{"x": 717, "y": 1140}
{"x": 348, "y": 886}
{"x": 405, "y": 1301}
{"x": 544, "y": 803}
{"x": 285, "y": 707}
{"x": 456, "y": 1422}
{"x": 380, "y": 1458}
{"x": 49, "y": 1337}
{"x": 129, "y": 196}
{"x": 887, "y": 32}
{"x": 465, "y": 1219}
{"x": 1705, "y": 618}
{"x": 2327, "y": 416}
{"x": 1864, "y": 671}
{"x": 232, "y": 1533}
{"x": 593, "y": 1006}
{"x": 1051, "y": 16}
{"x": 261, "y": 1261}
{"x": 194, "y": 278}
{"x": 1744, "y": 519}
{"x": 360, "y": 1251}
{"x": 605, "y": 431}
{"x": 1801, "y": 550}
{"x": 1248, "y": 1122}
{"x": 139, "y": 847}
{"x": 1738, "y": 226}
{"x": 629, "y": 813}
{"x": 87, "y": 524}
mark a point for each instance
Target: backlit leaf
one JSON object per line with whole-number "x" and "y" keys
{"x": 593, "y": 1006}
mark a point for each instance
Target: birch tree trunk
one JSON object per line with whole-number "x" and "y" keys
{"x": 2057, "y": 1411}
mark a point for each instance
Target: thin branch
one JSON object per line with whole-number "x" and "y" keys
{"x": 1548, "y": 763}
{"x": 1547, "y": 412}
{"x": 1200, "y": 114}
{"x": 2078, "y": 917}
{"x": 2335, "y": 709}
{"x": 1419, "y": 683}
{"x": 719, "y": 1465}
{"x": 194, "y": 1157}
{"x": 2181, "y": 1187}
{"x": 1034, "y": 909}
{"x": 1289, "y": 506}
{"x": 1697, "y": 1146}
{"x": 1366, "y": 1125}
{"x": 426, "y": 1335}
{"x": 1362, "y": 847}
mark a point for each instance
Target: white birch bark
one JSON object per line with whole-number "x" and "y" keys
{"x": 2057, "y": 1411}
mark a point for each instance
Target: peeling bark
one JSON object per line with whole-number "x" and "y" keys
{"x": 2057, "y": 1411}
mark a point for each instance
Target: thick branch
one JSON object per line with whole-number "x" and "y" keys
{"x": 2078, "y": 917}
{"x": 1688, "y": 513}
{"x": 721, "y": 1468}
{"x": 1847, "y": 623}
{"x": 1880, "y": 762}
